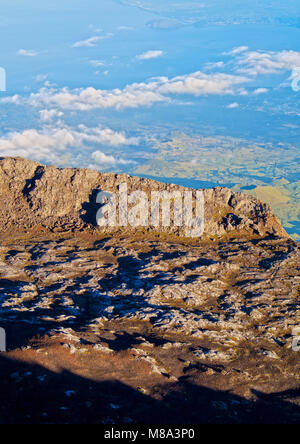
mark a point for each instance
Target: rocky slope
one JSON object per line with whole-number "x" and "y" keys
{"x": 43, "y": 198}
{"x": 144, "y": 326}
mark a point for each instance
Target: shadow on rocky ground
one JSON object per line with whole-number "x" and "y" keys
{"x": 117, "y": 330}
{"x": 32, "y": 394}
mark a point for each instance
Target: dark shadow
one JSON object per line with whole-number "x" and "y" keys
{"x": 270, "y": 261}
{"x": 31, "y": 394}
{"x": 30, "y": 183}
{"x": 38, "y": 251}
{"x": 100, "y": 243}
{"x": 123, "y": 341}
{"x": 231, "y": 220}
{"x": 269, "y": 237}
{"x": 201, "y": 262}
{"x": 165, "y": 255}
{"x": 129, "y": 268}
{"x": 90, "y": 209}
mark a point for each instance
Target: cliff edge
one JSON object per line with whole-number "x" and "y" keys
{"x": 45, "y": 198}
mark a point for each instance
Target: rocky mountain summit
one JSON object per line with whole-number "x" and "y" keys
{"x": 46, "y": 198}
{"x": 140, "y": 325}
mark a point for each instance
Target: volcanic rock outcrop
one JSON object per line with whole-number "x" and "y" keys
{"x": 43, "y": 198}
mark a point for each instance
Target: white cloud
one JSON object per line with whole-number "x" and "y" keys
{"x": 92, "y": 41}
{"x": 50, "y": 144}
{"x": 15, "y": 100}
{"x": 260, "y": 91}
{"x": 214, "y": 65}
{"x": 104, "y": 136}
{"x": 27, "y": 52}
{"x": 156, "y": 90}
{"x": 153, "y": 54}
{"x": 41, "y": 77}
{"x": 237, "y": 50}
{"x": 97, "y": 63}
{"x": 199, "y": 83}
{"x": 48, "y": 115}
{"x": 267, "y": 62}
{"x": 88, "y": 43}
{"x": 43, "y": 146}
{"x": 233, "y": 105}
{"x": 101, "y": 158}
{"x": 125, "y": 28}
{"x": 132, "y": 96}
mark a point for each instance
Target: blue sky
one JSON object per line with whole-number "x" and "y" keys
{"x": 98, "y": 83}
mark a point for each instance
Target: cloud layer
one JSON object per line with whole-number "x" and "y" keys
{"x": 244, "y": 64}
{"x": 55, "y": 139}
{"x": 50, "y": 143}
{"x": 160, "y": 89}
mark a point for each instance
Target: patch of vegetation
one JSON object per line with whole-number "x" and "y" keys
{"x": 267, "y": 171}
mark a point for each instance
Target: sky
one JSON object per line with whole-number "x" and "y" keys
{"x": 99, "y": 83}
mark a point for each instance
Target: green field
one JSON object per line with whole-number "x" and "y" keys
{"x": 269, "y": 172}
